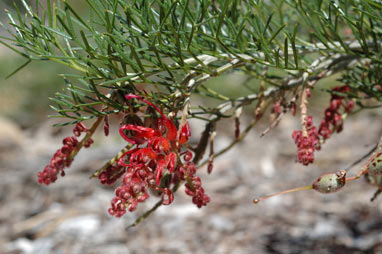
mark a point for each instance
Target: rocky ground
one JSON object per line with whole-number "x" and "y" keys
{"x": 71, "y": 216}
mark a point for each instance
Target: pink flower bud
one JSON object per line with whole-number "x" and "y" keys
{"x": 167, "y": 197}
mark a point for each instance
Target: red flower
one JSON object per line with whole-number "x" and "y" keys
{"x": 155, "y": 155}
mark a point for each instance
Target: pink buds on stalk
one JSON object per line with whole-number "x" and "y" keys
{"x": 63, "y": 156}
{"x": 306, "y": 143}
{"x": 332, "y": 122}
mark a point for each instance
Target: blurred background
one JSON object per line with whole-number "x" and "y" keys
{"x": 71, "y": 216}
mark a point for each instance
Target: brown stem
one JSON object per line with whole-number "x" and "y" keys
{"x": 362, "y": 158}
{"x": 240, "y": 138}
{"x": 261, "y": 94}
{"x": 273, "y": 124}
{"x": 256, "y": 201}
{"x": 379, "y": 191}
{"x": 304, "y": 111}
{"x": 202, "y": 145}
{"x": 89, "y": 134}
{"x": 349, "y": 179}
{"x": 112, "y": 161}
{"x": 152, "y": 209}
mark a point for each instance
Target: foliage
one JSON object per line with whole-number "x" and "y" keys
{"x": 163, "y": 52}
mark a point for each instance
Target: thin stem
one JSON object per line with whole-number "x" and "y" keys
{"x": 89, "y": 134}
{"x": 152, "y": 209}
{"x": 214, "y": 93}
{"x": 349, "y": 179}
{"x": 379, "y": 191}
{"x": 146, "y": 214}
{"x": 240, "y": 138}
{"x": 304, "y": 111}
{"x": 256, "y": 201}
{"x": 362, "y": 158}
{"x": 112, "y": 161}
{"x": 273, "y": 124}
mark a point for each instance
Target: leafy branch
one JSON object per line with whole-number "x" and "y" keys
{"x": 163, "y": 53}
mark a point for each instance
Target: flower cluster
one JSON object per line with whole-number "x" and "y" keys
{"x": 62, "y": 157}
{"x": 333, "y": 121}
{"x": 193, "y": 184}
{"x": 133, "y": 190}
{"x": 310, "y": 140}
{"x": 152, "y": 163}
{"x": 111, "y": 174}
{"x": 307, "y": 142}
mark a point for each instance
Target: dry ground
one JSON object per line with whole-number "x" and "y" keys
{"x": 71, "y": 216}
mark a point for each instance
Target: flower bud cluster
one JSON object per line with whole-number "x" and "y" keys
{"x": 339, "y": 105}
{"x": 132, "y": 191}
{"x": 111, "y": 174}
{"x": 193, "y": 184}
{"x": 308, "y": 143}
{"x": 311, "y": 139}
{"x": 62, "y": 157}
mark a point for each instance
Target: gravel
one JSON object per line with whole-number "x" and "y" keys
{"x": 71, "y": 216}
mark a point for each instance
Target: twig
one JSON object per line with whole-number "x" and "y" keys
{"x": 273, "y": 124}
{"x": 362, "y": 158}
{"x": 152, "y": 209}
{"x": 203, "y": 142}
{"x": 261, "y": 93}
{"x": 240, "y": 138}
{"x": 112, "y": 161}
{"x": 88, "y": 135}
{"x": 319, "y": 64}
{"x": 145, "y": 215}
{"x": 304, "y": 111}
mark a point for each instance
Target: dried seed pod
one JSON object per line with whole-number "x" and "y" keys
{"x": 331, "y": 182}
{"x": 106, "y": 126}
{"x": 374, "y": 168}
{"x": 212, "y": 153}
{"x": 326, "y": 183}
{"x": 238, "y": 112}
{"x": 374, "y": 172}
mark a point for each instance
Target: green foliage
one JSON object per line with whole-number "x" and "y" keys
{"x": 173, "y": 47}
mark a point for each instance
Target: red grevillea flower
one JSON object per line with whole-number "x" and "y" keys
{"x": 62, "y": 157}
{"x": 156, "y": 155}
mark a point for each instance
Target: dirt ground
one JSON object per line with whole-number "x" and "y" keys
{"x": 71, "y": 216}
